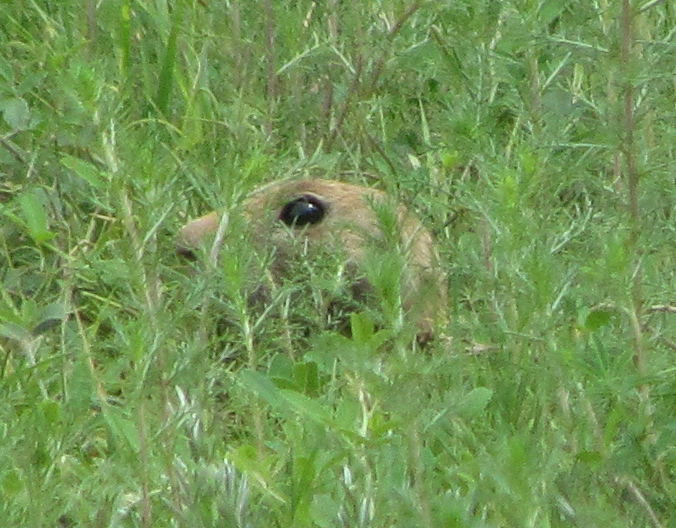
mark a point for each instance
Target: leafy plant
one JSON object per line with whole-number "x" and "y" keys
{"x": 535, "y": 139}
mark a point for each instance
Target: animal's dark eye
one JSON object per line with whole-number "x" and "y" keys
{"x": 303, "y": 211}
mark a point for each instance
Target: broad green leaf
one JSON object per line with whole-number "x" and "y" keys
{"x": 306, "y": 406}
{"x": 362, "y": 327}
{"x": 597, "y": 319}
{"x": 284, "y": 399}
{"x": 11, "y": 483}
{"x": 121, "y": 427}
{"x": 550, "y": 9}
{"x": 34, "y": 215}
{"x": 51, "y": 410}
{"x": 166, "y": 79}
{"x": 84, "y": 170}
{"x": 474, "y": 403}
{"x": 50, "y": 316}
{"x": 324, "y": 510}
{"x": 14, "y": 331}
{"x": 16, "y": 113}
{"x": 306, "y": 377}
{"x": 281, "y": 371}
{"x": 262, "y": 386}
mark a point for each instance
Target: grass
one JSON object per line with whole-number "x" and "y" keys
{"x": 535, "y": 138}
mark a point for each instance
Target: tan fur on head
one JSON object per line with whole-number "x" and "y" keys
{"x": 349, "y": 225}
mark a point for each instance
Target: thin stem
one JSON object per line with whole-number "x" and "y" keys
{"x": 628, "y": 148}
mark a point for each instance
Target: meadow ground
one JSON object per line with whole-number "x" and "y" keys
{"x": 536, "y": 138}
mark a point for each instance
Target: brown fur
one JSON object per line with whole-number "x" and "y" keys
{"x": 351, "y": 228}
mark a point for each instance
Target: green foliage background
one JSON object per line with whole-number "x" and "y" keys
{"x": 521, "y": 131}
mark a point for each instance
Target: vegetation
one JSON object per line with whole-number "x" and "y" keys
{"x": 535, "y": 137}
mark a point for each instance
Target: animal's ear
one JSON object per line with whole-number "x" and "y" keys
{"x": 302, "y": 211}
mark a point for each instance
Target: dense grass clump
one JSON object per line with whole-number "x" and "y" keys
{"x": 535, "y": 138}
